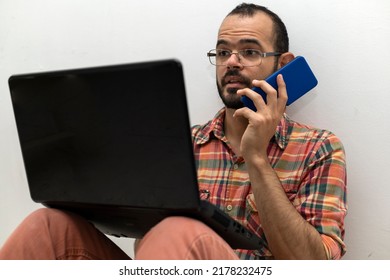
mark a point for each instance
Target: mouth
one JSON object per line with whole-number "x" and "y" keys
{"x": 234, "y": 82}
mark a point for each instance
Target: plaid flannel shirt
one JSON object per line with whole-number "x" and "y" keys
{"x": 309, "y": 162}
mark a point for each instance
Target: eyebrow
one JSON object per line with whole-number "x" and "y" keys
{"x": 242, "y": 41}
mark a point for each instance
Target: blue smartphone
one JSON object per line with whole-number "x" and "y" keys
{"x": 297, "y": 75}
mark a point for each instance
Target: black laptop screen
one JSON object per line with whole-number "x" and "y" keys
{"x": 99, "y": 132}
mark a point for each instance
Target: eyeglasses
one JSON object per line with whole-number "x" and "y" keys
{"x": 247, "y": 57}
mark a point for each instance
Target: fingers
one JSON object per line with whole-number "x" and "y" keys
{"x": 275, "y": 99}
{"x": 282, "y": 93}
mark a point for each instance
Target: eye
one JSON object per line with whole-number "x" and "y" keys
{"x": 250, "y": 53}
{"x": 223, "y": 53}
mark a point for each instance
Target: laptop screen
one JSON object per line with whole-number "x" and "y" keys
{"x": 117, "y": 135}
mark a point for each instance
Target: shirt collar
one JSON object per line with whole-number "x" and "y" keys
{"x": 283, "y": 131}
{"x": 214, "y": 129}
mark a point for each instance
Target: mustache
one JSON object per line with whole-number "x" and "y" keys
{"x": 236, "y": 73}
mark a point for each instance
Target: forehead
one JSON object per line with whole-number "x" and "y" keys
{"x": 236, "y": 28}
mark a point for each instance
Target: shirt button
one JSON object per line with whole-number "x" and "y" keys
{"x": 235, "y": 166}
{"x": 229, "y": 207}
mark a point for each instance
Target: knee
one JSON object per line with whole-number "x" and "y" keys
{"x": 42, "y": 213}
{"x": 45, "y": 214}
{"x": 181, "y": 227}
{"x": 39, "y": 216}
{"x": 170, "y": 238}
{"x": 183, "y": 238}
{"x": 36, "y": 222}
{"x": 49, "y": 218}
{"x": 178, "y": 223}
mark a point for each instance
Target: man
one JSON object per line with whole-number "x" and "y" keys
{"x": 283, "y": 180}
{"x": 293, "y": 224}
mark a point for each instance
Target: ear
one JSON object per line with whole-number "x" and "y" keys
{"x": 285, "y": 58}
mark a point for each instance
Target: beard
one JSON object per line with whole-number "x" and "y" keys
{"x": 229, "y": 96}
{"x": 231, "y": 100}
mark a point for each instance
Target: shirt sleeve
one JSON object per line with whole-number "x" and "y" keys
{"x": 321, "y": 198}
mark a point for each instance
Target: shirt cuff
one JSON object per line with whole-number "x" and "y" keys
{"x": 332, "y": 248}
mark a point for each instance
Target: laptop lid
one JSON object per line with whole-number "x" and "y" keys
{"x": 84, "y": 134}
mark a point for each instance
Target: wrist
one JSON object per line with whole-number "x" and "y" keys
{"x": 258, "y": 164}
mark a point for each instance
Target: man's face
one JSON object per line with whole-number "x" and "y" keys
{"x": 238, "y": 33}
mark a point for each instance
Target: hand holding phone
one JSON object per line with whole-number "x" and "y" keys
{"x": 298, "y": 77}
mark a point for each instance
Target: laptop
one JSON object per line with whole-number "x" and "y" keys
{"x": 113, "y": 144}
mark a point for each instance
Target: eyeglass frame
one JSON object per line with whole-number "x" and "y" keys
{"x": 239, "y": 56}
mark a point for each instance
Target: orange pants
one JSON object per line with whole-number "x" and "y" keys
{"x": 54, "y": 234}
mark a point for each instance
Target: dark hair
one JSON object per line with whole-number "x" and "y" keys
{"x": 281, "y": 41}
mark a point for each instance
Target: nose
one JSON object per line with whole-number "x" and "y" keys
{"x": 234, "y": 61}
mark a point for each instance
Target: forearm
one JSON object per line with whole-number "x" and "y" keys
{"x": 289, "y": 236}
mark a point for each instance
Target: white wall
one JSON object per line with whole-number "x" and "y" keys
{"x": 347, "y": 44}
